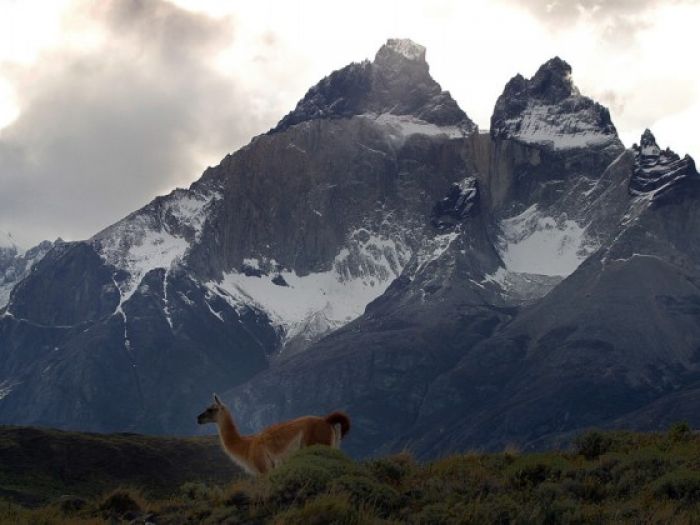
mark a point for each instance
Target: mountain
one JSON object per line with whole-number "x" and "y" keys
{"x": 376, "y": 252}
{"x": 586, "y": 313}
{"x": 288, "y": 238}
{"x": 15, "y": 264}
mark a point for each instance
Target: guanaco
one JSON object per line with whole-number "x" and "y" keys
{"x": 259, "y": 453}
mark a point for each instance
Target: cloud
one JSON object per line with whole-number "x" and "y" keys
{"x": 617, "y": 20}
{"x": 121, "y": 100}
{"x": 124, "y": 114}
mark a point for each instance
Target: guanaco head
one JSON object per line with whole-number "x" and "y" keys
{"x": 211, "y": 414}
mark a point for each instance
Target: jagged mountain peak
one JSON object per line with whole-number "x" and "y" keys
{"x": 555, "y": 65}
{"x": 648, "y": 139}
{"x": 402, "y": 49}
{"x": 656, "y": 169}
{"x": 548, "y": 110}
{"x": 553, "y": 81}
{"x": 397, "y": 82}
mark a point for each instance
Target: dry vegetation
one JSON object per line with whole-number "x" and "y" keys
{"x": 607, "y": 477}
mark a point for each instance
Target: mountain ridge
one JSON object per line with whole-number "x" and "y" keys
{"x": 368, "y": 253}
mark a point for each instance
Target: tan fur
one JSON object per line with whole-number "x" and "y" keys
{"x": 259, "y": 453}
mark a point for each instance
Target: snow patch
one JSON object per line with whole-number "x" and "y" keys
{"x": 499, "y": 277}
{"x": 400, "y": 127}
{"x": 211, "y": 295}
{"x": 157, "y": 250}
{"x": 318, "y": 302}
{"x": 547, "y": 125}
{"x": 252, "y": 263}
{"x": 6, "y": 387}
{"x": 155, "y": 237}
{"x": 166, "y": 306}
{"x": 535, "y": 243}
{"x": 5, "y": 291}
{"x": 434, "y": 248}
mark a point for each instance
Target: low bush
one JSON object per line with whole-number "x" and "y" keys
{"x": 321, "y": 511}
{"x": 365, "y": 491}
{"x": 392, "y": 469}
{"x": 308, "y": 473}
{"x": 593, "y": 444}
{"x": 121, "y": 503}
{"x": 680, "y": 431}
{"x": 680, "y": 485}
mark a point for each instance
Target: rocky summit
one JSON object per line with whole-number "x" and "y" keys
{"x": 376, "y": 252}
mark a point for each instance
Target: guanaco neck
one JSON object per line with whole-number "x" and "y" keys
{"x": 231, "y": 439}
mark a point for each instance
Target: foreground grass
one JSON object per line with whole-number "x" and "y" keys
{"x": 618, "y": 477}
{"x": 39, "y": 465}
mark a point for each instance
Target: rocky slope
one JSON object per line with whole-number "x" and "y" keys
{"x": 375, "y": 252}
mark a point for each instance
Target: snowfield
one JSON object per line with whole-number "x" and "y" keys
{"x": 535, "y": 243}
{"x": 318, "y": 302}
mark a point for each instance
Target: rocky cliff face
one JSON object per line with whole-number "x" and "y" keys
{"x": 375, "y": 252}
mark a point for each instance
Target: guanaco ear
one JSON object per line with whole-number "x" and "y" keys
{"x": 217, "y": 400}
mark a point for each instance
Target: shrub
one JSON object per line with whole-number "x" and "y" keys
{"x": 308, "y": 473}
{"x": 497, "y": 510}
{"x": 592, "y": 444}
{"x": 442, "y": 512}
{"x": 634, "y": 470}
{"x": 237, "y": 498}
{"x": 680, "y": 431}
{"x": 465, "y": 476}
{"x": 679, "y": 485}
{"x": 363, "y": 490}
{"x": 392, "y": 469}
{"x": 588, "y": 489}
{"x": 320, "y": 511}
{"x": 194, "y": 490}
{"x": 554, "y": 512}
{"x": 548, "y": 492}
{"x": 71, "y": 504}
{"x": 530, "y": 470}
{"x": 530, "y": 475}
{"x": 120, "y": 503}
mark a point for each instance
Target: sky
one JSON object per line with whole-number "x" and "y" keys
{"x": 106, "y": 104}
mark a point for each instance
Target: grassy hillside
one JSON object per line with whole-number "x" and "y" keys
{"x": 618, "y": 477}
{"x": 38, "y": 465}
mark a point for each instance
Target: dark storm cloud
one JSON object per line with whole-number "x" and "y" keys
{"x": 103, "y": 131}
